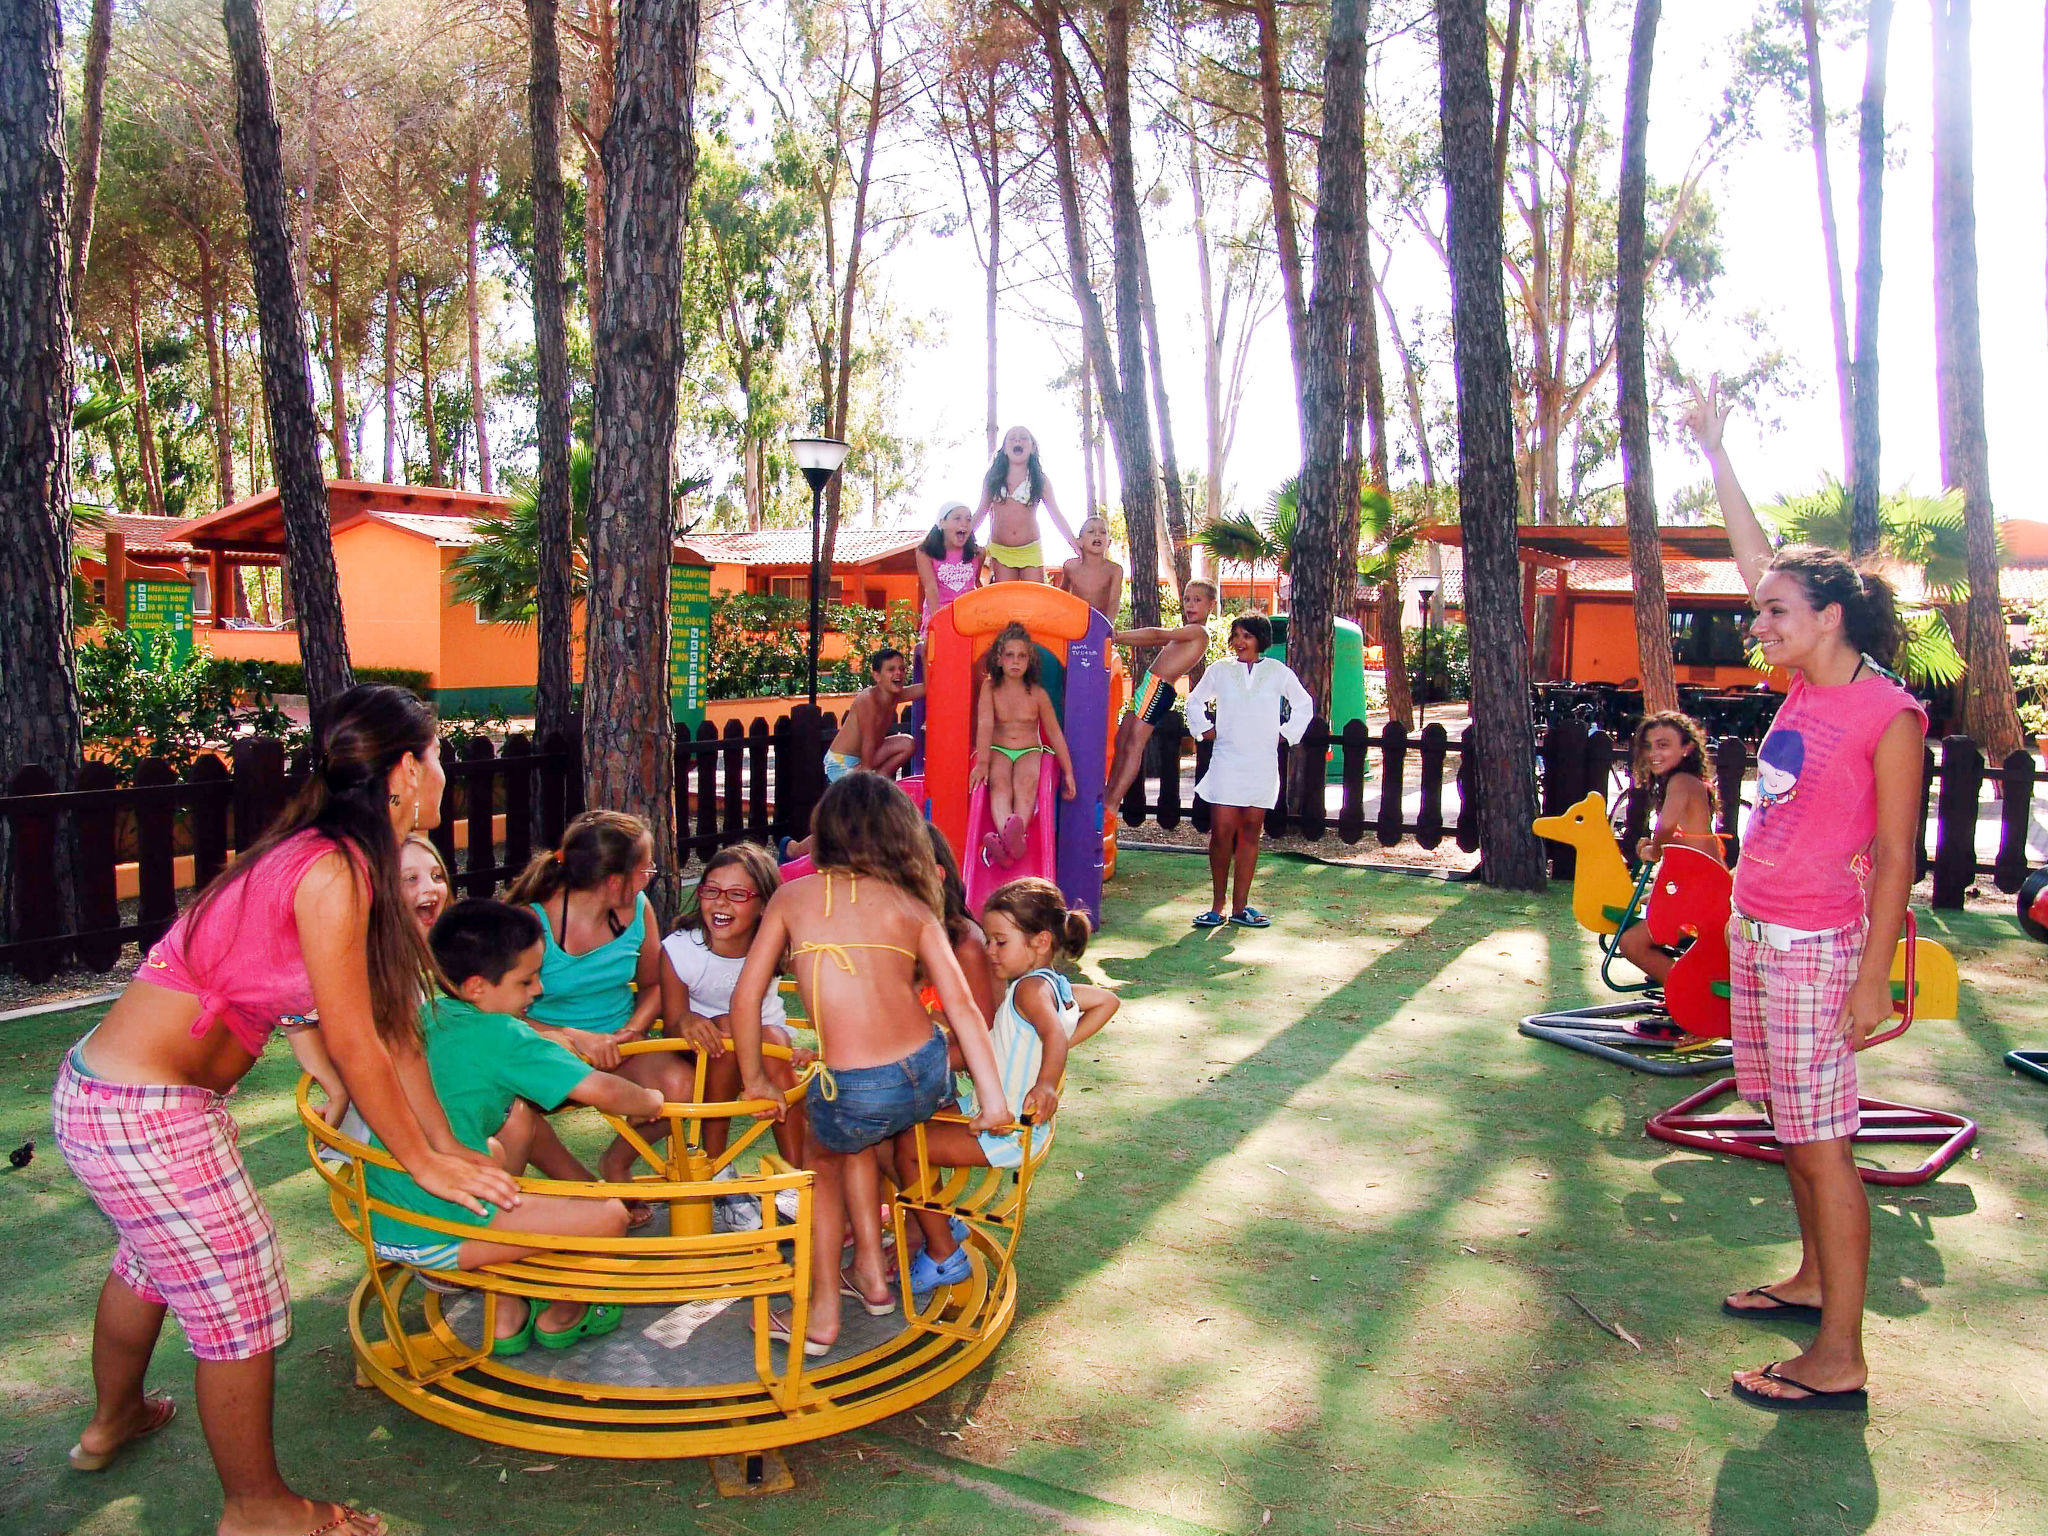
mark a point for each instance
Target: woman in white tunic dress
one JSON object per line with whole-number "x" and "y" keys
{"x": 1243, "y": 780}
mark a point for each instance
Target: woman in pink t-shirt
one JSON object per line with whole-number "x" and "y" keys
{"x": 309, "y": 917}
{"x": 1820, "y": 898}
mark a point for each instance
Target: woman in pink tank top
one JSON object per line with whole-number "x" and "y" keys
{"x": 310, "y": 916}
{"x": 1820, "y": 898}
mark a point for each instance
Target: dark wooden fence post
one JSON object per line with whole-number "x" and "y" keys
{"x": 33, "y": 851}
{"x": 520, "y": 789}
{"x": 1312, "y": 817}
{"x": 259, "y": 787}
{"x": 1198, "y": 813}
{"x": 1731, "y": 762}
{"x": 799, "y": 770}
{"x": 1165, "y": 750}
{"x": 1280, "y": 819}
{"x": 1357, "y": 745}
{"x": 735, "y": 775}
{"x": 99, "y": 905}
{"x": 1468, "y": 792}
{"x": 442, "y": 833}
{"x": 480, "y": 871}
{"x": 1563, "y": 750}
{"x": 1955, "y": 834}
{"x": 758, "y": 743}
{"x": 557, "y": 777}
{"x": 206, "y": 813}
{"x": 1429, "y": 816}
{"x": 156, "y": 853}
{"x": 1930, "y": 775}
{"x": 706, "y": 842}
{"x": 1393, "y": 773}
{"x": 2016, "y": 816}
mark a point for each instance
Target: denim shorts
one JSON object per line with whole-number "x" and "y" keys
{"x": 874, "y": 1103}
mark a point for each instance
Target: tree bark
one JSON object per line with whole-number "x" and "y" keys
{"x": 472, "y": 213}
{"x": 992, "y": 184}
{"x": 287, "y": 383}
{"x": 839, "y": 377}
{"x": 1503, "y": 121}
{"x": 597, "y": 119}
{"x": 554, "y": 704}
{"x": 1632, "y": 274}
{"x": 1510, "y": 854}
{"x": 1212, "y": 336}
{"x": 99, "y": 39}
{"x": 437, "y": 463}
{"x": 337, "y": 378}
{"x": 392, "y": 216}
{"x": 38, "y": 688}
{"x": 1325, "y": 556}
{"x": 1089, "y": 502}
{"x": 216, "y": 370}
{"x": 650, "y": 157}
{"x": 1400, "y": 698}
{"x": 145, "y": 421}
{"x": 1831, "y": 242}
{"x": 1990, "y": 713}
{"x": 1865, "y": 488}
{"x": 1286, "y": 238}
{"x": 1176, "y": 530}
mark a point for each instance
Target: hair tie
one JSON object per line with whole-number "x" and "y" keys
{"x": 557, "y": 855}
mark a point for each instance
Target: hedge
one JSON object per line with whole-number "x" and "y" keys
{"x": 290, "y": 677}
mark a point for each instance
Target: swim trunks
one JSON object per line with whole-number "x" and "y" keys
{"x": 1153, "y": 700}
{"x": 1017, "y": 557}
{"x": 838, "y": 765}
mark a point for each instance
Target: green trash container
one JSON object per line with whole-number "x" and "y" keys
{"x": 1347, "y": 685}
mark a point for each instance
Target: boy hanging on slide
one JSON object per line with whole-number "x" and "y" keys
{"x": 1182, "y": 651}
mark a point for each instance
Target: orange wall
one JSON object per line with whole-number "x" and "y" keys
{"x": 247, "y": 644}
{"x": 391, "y": 598}
{"x": 1602, "y": 648}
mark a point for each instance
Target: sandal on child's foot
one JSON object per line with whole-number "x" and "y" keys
{"x": 598, "y": 1319}
{"x": 993, "y": 853}
{"x": 778, "y": 1330}
{"x": 160, "y": 1411}
{"x": 1251, "y": 917}
{"x": 853, "y": 1292}
{"x": 1209, "y": 920}
{"x": 927, "y": 1275}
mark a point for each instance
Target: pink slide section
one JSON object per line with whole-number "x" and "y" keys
{"x": 912, "y": 784}
{"x": 1041, "y": 849}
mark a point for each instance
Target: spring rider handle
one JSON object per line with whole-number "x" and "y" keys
{"x": 1906, "y": 1007}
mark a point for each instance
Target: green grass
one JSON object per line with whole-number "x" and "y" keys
{"x": 1305, "y": 1247}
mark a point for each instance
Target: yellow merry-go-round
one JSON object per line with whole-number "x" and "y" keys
{"x": 692, "y": 1371}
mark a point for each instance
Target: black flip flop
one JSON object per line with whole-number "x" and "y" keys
{"x": 1856, "y": 1400}
{"x": 1779, "y": 1310}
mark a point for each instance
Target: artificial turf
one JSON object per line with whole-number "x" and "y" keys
{"x": 1310, "y": 1255}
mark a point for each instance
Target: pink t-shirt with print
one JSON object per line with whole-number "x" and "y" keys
{"x": 1806, "y": 851}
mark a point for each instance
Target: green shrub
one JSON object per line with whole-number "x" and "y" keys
{"x": 290, "y": 676}
{"x": 759, "y": 644}
{"x": 1450, "y": 660}
{"x": 130, "y": 712}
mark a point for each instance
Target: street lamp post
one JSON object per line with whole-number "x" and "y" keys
{"x": 819, "y": 458}
{"x": 1425, "y": 592}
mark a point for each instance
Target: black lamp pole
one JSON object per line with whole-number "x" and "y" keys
{"x": 817, "y": 479}
{"x": 1427, "y": 593}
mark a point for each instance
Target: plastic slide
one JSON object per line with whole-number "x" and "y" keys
{"x": 1041, "y": 844}
{"x": 912, "y": 784}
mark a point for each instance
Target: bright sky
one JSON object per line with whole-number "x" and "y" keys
{"x": 1771, "y": 230}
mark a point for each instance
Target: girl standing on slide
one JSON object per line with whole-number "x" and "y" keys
{"x": 948, "y": 563}
{"x": 310, "y": 915}
{"x": 1820, "y": 897}
{"x": 1012, "y": 491}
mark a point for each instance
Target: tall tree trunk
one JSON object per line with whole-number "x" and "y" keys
{"x": 1510, "y": 854}
{"x": 216, "y": 371}
{"x": 145, "y": 421}
{"x": 992, "y": 183}
{"x": 554, "y": 551}
{"x": 393, "y": 216}
{"x": 337, "y": 378}
{"x": 1088, "y": 493}
{"x": 1990, "y": 713}
{"x": 650, "y": 159}
{"x": 437, "y": 462}
{"x": 1632, "y": 273}
{"x": 1137, "y": 471}
{"x": 598, "y": 111}
{"x": 38, "y": 687}
{"x": 1865, "y": 488}
{"x": 1831, "y": 242}
{"x": 1286, "y": 238}
{"x": 92, "y": 118}
{"x": 472, "y": 213}
{"x": 839, "y": 379}
{"x": 1503, "y": 121}
{"x": 287, "y": 383}
{"x": 1176, "y": 526}
{"x": 1325, "y": 556}
{"x": 1400, "y": 698}
{"x": 1212, "y": 336}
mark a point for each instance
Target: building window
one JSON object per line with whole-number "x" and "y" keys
{"x": 202, "y": 592}
{"x": 798, "y": 587}
{"x": 1709, "y": 637}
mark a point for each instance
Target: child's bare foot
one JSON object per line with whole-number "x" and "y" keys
{"x": 294, "y": 1516}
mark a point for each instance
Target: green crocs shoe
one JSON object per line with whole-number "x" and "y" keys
{"x": 598, "y": 1319}
{"x": 520, "y": 1342}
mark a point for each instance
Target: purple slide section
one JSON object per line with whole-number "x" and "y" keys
{"x": 1085, "y": 718}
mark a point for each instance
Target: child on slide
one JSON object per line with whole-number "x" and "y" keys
{"x": 1670, "y": 758}
{"x": 864, "y": 739}
{"x": 1011, "y": 493}
{"x": 1091, "y": 575}
{"x": 1013, "y": 723}
{"x": 487, "y": 1065}
{"x": 856, "y": 933}
{"x": 948, "y": 561}
{"x": 1041, "y": 1016}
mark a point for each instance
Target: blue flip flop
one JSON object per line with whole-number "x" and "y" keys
{"x": 1210, "y": 920}
{"x": 1251, "y": 917}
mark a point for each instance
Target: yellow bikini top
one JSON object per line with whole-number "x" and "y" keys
{"x": 828, "y": 1085}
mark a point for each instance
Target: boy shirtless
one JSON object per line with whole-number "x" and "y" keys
{"x": 1182, "y": 651}
{"x": 864, "y": 740}
{"x": 1091, "y": 575}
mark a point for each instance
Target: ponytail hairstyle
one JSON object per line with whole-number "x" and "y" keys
{"x": 1036, "y": 906}
{"x": 1870, "y": 609}
{"x": 358, "y": 738}
{"x": 865, "y": 825}
{"x": 1694, "y": 762}
{"x": 957, "y": 916}
{"x": 992, "y": 658}
{"x": 751, "y": 860}
{"x": 595, "y": 846}
{"x": 996, "y": 482}
{"x": 934, "y": 544}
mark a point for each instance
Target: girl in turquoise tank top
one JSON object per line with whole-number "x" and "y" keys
{"x": 601, "y": 976}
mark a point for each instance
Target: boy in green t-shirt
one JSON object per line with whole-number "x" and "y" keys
{"x": 489, "y": 1069}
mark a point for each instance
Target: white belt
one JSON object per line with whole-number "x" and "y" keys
{"x": 1778, "y": 935}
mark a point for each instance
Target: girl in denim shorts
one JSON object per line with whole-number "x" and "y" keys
{"x": 855, "y": 934}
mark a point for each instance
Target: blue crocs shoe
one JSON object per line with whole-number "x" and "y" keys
{"x": 928, "y": 1276}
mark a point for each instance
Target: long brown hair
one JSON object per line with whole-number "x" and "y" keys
{"x": 1036, "y": 906}
{"x": 751, "y": 860}
{"x": 957, "y": 915}
{"x": 1870, "y": 609}
{"x": 1694, "y": 762}
{"x": 358, "y": 738}
{"x": 595, "y": 846}
{"x": 865, "y": 825}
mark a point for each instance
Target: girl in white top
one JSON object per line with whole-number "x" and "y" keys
{"x": 1040, "y": 1016}
{"x": 700, "y": 962}
{"x": 1243, "y": 779}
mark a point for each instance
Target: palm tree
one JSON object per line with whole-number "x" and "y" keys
{"x": 1925, "y": 533}
{"x": 500, "y": 573}
{"x": 1255, "y": 539}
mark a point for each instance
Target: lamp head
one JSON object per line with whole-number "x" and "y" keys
{"x": 1425, "y": 587}
{"x": 818, "y": 457}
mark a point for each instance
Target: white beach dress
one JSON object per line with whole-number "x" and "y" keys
{"x": 1244, "y": 768}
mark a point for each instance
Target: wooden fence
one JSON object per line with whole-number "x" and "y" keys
{"x": 757, "y": 783}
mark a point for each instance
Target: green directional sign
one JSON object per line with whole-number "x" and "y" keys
{"x": 689, "y": 618}
{"x": 160, "y": 611}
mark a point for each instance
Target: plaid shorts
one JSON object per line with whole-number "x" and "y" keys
{"x": 161, "y": 1163}
{"x": 1789, "y": 1055}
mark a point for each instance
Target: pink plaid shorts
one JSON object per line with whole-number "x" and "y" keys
{"x": 161, "y": 1163}
{"x": 1789, "y": 1055}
